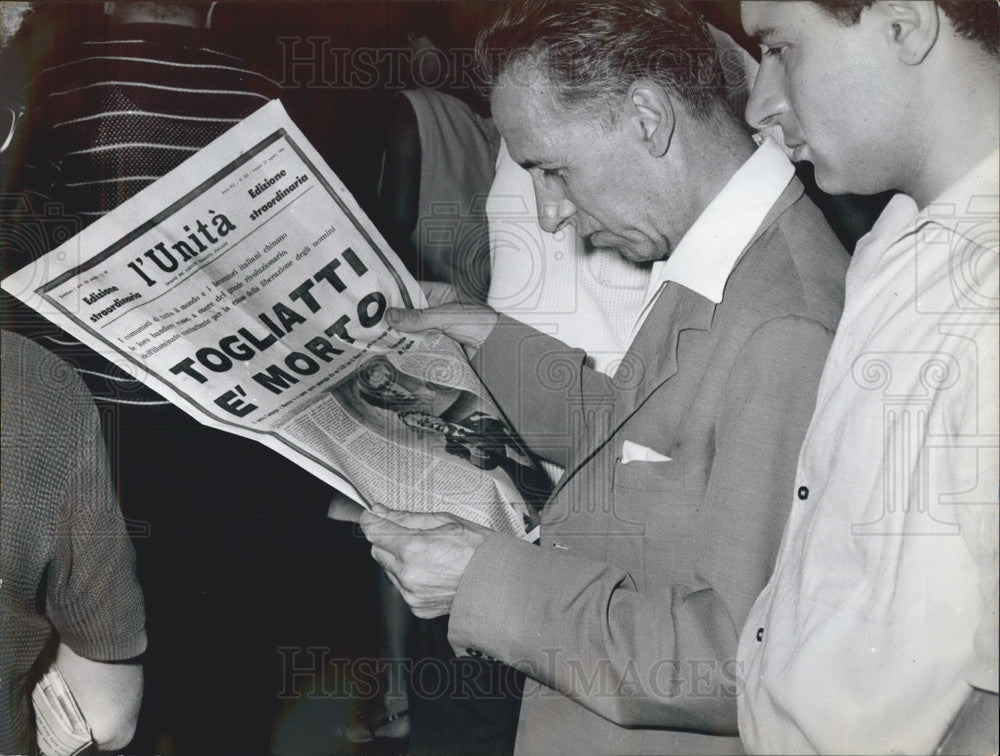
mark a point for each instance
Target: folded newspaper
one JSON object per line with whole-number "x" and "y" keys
{"x": 248, "y": 288}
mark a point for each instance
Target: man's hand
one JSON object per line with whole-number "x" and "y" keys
{"x": 108, "y": 693}
{"x": 439, "y": 293}
{"x": 468, "y": 324}
{"x": 424, "y": 555}
{"x": 344, "y": 509}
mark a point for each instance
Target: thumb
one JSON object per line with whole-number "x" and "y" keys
{"x": 469, "y": 325}
{"x": 409, "y": 321}
{"x": 411, "y": 520}
{"x": 439, "y": 292}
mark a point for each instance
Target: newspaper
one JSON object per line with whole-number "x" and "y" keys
{"x": 248, "y": 288}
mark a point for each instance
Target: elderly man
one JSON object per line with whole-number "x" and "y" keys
{"x": 665, "y": 526}
{"x": 586, "y": 297}
{"x": 878, "y": 631}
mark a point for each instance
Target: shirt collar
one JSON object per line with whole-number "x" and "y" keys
{"x": 969, "y": 207}
{"x": 707, "y": 253}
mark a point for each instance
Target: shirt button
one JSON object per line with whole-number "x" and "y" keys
{"x": 803, "y": 493}
{"x": 760, "y": 634}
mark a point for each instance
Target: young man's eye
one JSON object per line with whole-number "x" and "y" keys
{"x": 773, "y": 51}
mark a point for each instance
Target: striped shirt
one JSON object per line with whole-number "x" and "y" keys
{"x": 120, "y": 113}
{"x": 108, "y": 120}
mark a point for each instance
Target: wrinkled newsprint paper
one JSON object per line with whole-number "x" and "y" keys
{"x": 248, "y": 288}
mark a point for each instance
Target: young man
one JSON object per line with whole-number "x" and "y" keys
{"x": 878, "y": 629}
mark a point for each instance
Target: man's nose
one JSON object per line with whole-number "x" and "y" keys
{"x": 554, "y": 208}
{"x": 768, "y": 102}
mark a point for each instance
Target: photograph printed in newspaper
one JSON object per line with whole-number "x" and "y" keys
{"x": 248, "y": 288}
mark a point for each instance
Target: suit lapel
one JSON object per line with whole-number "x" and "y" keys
{"x": 652, "y": 359}
{"x": 650, "y": 362}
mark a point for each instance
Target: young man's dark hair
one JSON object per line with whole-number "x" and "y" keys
{"x": 977, "y": 20}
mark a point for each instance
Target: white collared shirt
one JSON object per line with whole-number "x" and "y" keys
{"x": 591, "y": 299}
{"x": 704, "y": 258}
{"x": 881, "y": 614}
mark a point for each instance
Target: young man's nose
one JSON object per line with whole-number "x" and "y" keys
{"x": 767, "y": 103}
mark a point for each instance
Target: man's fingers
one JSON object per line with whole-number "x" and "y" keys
{"x": 387, "y": 561}
{"x": 390, "y": 566}
{"x": 469, "y": 325}
{"x": 410, "y": 321}
{"x": 410, "y": 520}
{"x": 344, "y": 509}
{"x": 381, "y": 533}
{"x": 439, "y": 292}
{"x": 427, "y": 612}
{"x": 425, "y": 565}
{"x": 391, "y": 536}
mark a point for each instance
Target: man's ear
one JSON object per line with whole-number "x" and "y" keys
{"x": 911, "y": 26}
{"x": 650, "y": 111}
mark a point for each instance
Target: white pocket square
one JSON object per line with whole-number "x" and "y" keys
{"x": 633, "y": 452}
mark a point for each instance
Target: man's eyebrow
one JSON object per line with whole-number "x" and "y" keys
{"x": 761, "y": 35}
{"x": 529, "y": 164}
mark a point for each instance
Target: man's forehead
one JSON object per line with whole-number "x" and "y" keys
{"x": 522, "y": 90}
{"x": 526, "y": 114}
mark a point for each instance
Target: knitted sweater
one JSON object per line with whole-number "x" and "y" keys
{"x": 67, "y": 566}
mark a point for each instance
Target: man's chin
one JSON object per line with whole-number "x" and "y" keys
{"x": 827, "y": 181}
{"x": 833, "y": 181}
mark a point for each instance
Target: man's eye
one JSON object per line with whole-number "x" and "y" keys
{"x": 773, "y": 51}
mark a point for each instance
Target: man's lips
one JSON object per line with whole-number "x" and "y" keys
{"x": 797, "y": 147}
{"x": 602, "y": 239}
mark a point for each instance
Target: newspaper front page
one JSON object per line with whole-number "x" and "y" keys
{"x": 248, "y": 288}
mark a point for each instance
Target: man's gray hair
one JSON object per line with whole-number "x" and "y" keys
{"x": 594, "y": 50}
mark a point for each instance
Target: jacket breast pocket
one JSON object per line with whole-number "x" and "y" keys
{"x": 662, "y": 501}
{"x": 638, "y": 475}
{"x": 661, "y": 486}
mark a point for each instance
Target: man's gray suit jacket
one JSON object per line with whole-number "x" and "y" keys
{"x": 626, "y": 616}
